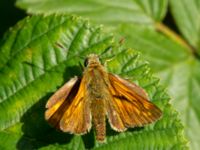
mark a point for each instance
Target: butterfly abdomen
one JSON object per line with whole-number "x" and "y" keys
{"x": 98, "y": 117}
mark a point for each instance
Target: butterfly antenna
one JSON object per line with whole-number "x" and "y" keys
{"x": 107, "y": 55}
{"x": 109, "y": 48}
{"x": 81, "y": 66}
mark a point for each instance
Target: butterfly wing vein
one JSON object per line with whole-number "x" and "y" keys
{"x": 129, "y": 106}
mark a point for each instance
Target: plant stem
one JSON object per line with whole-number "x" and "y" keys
{"x": 174, "y": 36}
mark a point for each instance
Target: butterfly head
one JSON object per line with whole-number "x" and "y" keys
{"x": 92, "y": 60}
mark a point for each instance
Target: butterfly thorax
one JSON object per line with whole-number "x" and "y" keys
{"x": 97, "y": 78}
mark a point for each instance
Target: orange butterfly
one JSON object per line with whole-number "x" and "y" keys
{"x": 95, "y": 96}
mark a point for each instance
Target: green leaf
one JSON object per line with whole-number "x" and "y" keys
{"x": 187, "y": 16}
{"x": 178, "y": 70}
{"x": 41, "y": 49}
{"x": 170, "y": 56}
{"x": 112, "y": 11}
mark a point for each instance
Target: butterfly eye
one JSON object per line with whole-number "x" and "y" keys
{"x": 86, "y": 62}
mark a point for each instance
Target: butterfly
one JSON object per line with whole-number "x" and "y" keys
{"x": 97, "y": 96}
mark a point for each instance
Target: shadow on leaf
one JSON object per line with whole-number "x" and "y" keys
{"x": 36, "y": 131}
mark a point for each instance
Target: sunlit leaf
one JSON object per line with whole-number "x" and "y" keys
{"x": 40, "y": 54}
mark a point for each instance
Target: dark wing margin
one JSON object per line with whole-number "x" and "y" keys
{"x": 129, "y": 105}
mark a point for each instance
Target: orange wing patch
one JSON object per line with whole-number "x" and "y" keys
{"x": 59, "y": 97}
{"x": 71, "y": 113}
{"x": 77, "y": 119}
{"x": 130, "y": 105}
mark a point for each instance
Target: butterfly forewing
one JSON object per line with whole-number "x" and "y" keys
{"x": 67, "y": 108}
{"x": 130, "y": 105}
{"x": 59, "y": 97}
{"x": 77, "y": 118}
